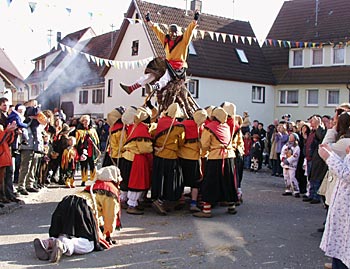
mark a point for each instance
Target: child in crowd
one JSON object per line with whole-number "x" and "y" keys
{"x": 70, "y": 158}
{"x": 255, "y": 153}
{"x": 247, "y": 139}
{"x": 17, "y": 115}
{"x": 289, "y": 161}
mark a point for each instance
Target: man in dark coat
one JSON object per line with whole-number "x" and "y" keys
{"x": 316, "y": 167}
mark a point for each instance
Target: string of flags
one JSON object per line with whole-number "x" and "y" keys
{"x": 203, "y": 33}
{"x": 218, "y": 35}
{"x": 249, "y": 39}
{"x": 107, "y": 62}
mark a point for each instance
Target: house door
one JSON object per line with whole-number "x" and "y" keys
{"x": 68, "y": 109}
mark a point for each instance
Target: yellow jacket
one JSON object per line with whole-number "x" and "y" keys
{"x": 171, "y": 146}
{"x": 180, "y": 51}
{"x": 107, "y": 207}
{"x": 213, "y": 148}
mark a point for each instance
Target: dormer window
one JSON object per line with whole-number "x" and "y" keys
{"x": 241, "y": 55}
{"x": 297, "y": 58}
{"x": 317, "y": 56}
{"x": 338, "y": 55}
{"x": 40, "y": 65}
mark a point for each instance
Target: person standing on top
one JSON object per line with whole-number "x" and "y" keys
{"x": 176, "y": 49}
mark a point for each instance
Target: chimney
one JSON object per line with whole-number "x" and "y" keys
{"x": 58, "y": 37}
{"x": 196, "y": 5}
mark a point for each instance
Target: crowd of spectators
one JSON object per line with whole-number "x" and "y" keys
{"x": 46, "y": 148}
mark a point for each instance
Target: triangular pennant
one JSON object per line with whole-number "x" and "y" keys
{"x": 223, "y": 35}
{"x": 9, "y": 2}
{"x": 131, "y": 21}
{"x": 106, "y": 62}
{"x": 211, "y": 34}
{"x": 255, "y": 39}
{"x": 284, "y": 43}
{"x": 301, "y": 43}
{"x": 313, "y": 44}
{"x": 217, "y": 36}
{"x": 69, "y": 10}
{"x": 297, "y": 44}
{"x": 69, "y": 49}
{"x": 32, "y": 6}
{"x": 165, "y": 26}
{"x": 270, "y": 42}
{"x": 87, "y": 56}
{"x": 274, "y": 42}
{"x": 90, "y": 14}
{"x": 279, "y": 42}
{"x": 249, "y": 40}
{"x": 305, "y": 44}
{"x": 202, "y": 33}
{"x": 195, "y": 32}
{"x": 101, "y": 61}
{"x": 93, "y": 58}
{"x": 236, "y": 38}
{"x": 231, "y": 37}
{"x": 242, "y": 39}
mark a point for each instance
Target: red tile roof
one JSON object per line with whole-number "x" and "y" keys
{"x": 214, "y": 59}
{"x": 296, "y": 21}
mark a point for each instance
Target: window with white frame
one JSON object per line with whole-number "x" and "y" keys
{"x": 98, "y": 96}
{"x": 83, "y": 97}
{"x": 338, "y": 55}
{"x": 332, "y": 97}
{"x": 312, "y": 97}
{"x": 297, "y": 57}
{"x": 193, "y": 87}
{"x": 258, "y": 94}
{"x": 135, "y": 48}
{"x": 110, "y": 87}
{"x": 241, "y": 55}
{"x": 317, "y": 56}
{"x": 42, "y": 65}
{"x": 289, "y": 97}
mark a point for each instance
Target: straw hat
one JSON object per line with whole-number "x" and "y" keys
{"x": 128, "y": 115}
{"x": 114, "y": 115}
{"x": 209, "y": 110}
{"x": 109, "y": 173}
{"x": 199, "y": 116}
{"x": 142, "y": 113}
{"x": 220, "y": 114}
{"x": 174, "y": 111}
{"x": 230, "y": 108}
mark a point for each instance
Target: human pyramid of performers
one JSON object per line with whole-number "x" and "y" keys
{"x": 152, "y": 154}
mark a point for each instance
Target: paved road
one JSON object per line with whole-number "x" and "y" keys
{"x": 269, "y": 231}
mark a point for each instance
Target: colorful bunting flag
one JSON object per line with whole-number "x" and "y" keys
{"x": 32, "y": 6}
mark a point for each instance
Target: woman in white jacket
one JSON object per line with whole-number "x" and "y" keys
{"x": 336, "y": 237}
{"x": 289, "y": 161}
